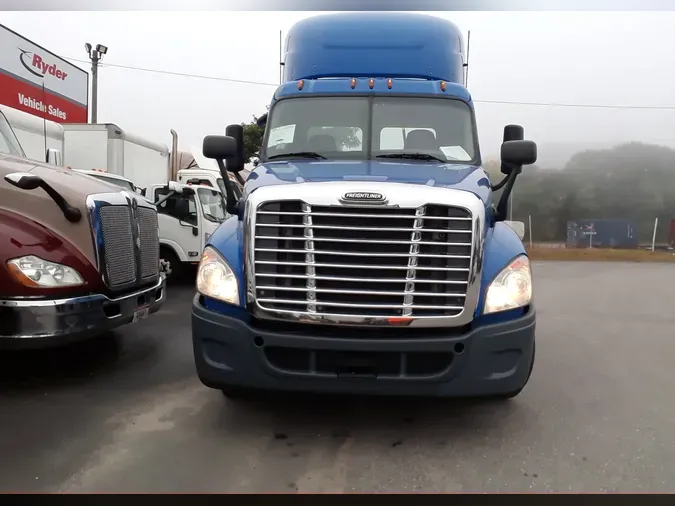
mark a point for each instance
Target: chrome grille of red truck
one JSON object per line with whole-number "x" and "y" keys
{"x": 120, "y": 262}
{"x": 371, "y": 262}
{"x": 149, "y": 240}
{"x": 127, "y": 240}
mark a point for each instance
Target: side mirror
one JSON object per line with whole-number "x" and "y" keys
{"x": 175, "y": 187}
{"x": 24, "y": 180}
{"x": 195, "y": 230}
{"x": 519, "y": 153}
{"x": 54, "y": 157}
{"x": 219, "y": 147}
{"x": 235, "y": 163}
{"x": 511, "y": 133}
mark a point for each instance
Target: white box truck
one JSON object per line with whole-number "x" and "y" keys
{"x": 105, "y": 146}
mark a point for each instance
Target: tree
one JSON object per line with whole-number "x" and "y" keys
{"x": 630, "y": 181}
{"x": 253, "y": 136}
{"x": 345, "y": 137}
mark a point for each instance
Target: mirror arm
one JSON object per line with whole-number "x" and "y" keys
{"x": 503, "y": 205}
{"x": 164, "y": 198}
{"x": 501, "y": 184}
{"x": 71, "y": 213}
{"x": 230, "y": 198}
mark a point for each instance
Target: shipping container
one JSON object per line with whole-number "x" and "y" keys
{"x": 602, "y": 233}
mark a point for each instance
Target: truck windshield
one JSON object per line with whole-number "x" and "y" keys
{"x": 212, "y": 205}
{"x": 356, "y": 128}
{"x": 9, "y": 144}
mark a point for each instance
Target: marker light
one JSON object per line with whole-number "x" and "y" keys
{"x": 371, "y": 83}
{"x": 442, "y": 85}
{"x": 301, "y": 83}
{"x": 353, "y": 83}
{"x": 389, "y": 83}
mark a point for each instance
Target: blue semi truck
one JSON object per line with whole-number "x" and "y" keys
{"x": 366, "y": 254}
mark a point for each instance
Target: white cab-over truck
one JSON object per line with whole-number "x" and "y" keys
{"x": 188, "y": 215}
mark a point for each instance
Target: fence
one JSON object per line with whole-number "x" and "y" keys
{"x": 662, "y": 235}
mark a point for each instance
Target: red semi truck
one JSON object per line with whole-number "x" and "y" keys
{"x": 78, "y": 256}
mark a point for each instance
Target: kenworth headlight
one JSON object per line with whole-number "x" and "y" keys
{"x": 512, "y": 288}
{"x": 38, "y": 273}
{"x": 216, "y": 279}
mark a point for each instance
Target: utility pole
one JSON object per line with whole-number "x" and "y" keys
{"x": 95, "y": 55}
{"x": 511, "y": 206}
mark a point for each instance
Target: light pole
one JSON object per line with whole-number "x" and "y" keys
{"x": 95, "y": 55}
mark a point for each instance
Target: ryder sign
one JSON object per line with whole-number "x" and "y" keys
{"x": 37, "y": 81}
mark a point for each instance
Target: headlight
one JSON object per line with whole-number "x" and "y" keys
{"x": 216, "y": 279}
{"x": 38, "y": 273}
{"x": 511, "y": 289}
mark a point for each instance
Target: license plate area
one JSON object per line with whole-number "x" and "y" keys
{"x": 141, "y": 313}
{"x": 358, "y": 364}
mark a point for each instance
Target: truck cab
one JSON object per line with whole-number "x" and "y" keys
{"x": 188, "y": 215}
{"x": 206, "y": 177}
{"x": 78, "y": 257}
{"x": 367, "y": 254}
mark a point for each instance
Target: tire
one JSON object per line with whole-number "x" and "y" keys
{"x": 177, "y": 268}
{"x": 511, "y": 395}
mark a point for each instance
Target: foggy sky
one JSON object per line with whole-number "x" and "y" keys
{"x": 554, "y": 57}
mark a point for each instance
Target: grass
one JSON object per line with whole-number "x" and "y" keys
{"x": 599, "y": 254}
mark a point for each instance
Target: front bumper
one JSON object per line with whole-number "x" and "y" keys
{"x": 489, "y": 360}
{"x": 44, "y": 323}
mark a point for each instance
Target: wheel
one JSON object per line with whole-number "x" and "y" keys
{"x": 177, "y": 268}
{"x": 511, "y": 395}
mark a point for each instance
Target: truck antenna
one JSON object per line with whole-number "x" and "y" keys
{"x": 466, "y": 65}
{"x": 281, "y": 63}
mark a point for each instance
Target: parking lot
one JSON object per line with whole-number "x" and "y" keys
{"x": 128, "y": 414}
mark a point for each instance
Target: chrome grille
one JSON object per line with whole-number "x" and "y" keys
{"x": 362, "y": 261}
{"x": 126, "y": 238}
{"x": 148, "y": 226}
{"x": 118, "y": 241}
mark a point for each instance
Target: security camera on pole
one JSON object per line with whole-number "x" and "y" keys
{"x": 95, "y": 55}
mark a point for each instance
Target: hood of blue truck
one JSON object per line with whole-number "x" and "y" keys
{"x": 469, "y": 178}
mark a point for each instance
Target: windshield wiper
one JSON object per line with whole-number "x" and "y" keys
{"x": 299, "y": 154}
{"x": 412, "y": 156}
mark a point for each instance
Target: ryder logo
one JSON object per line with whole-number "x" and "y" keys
{"x": 34, "y": 64}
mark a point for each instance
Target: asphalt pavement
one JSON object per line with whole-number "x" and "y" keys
{"x": 126, "y": 413}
